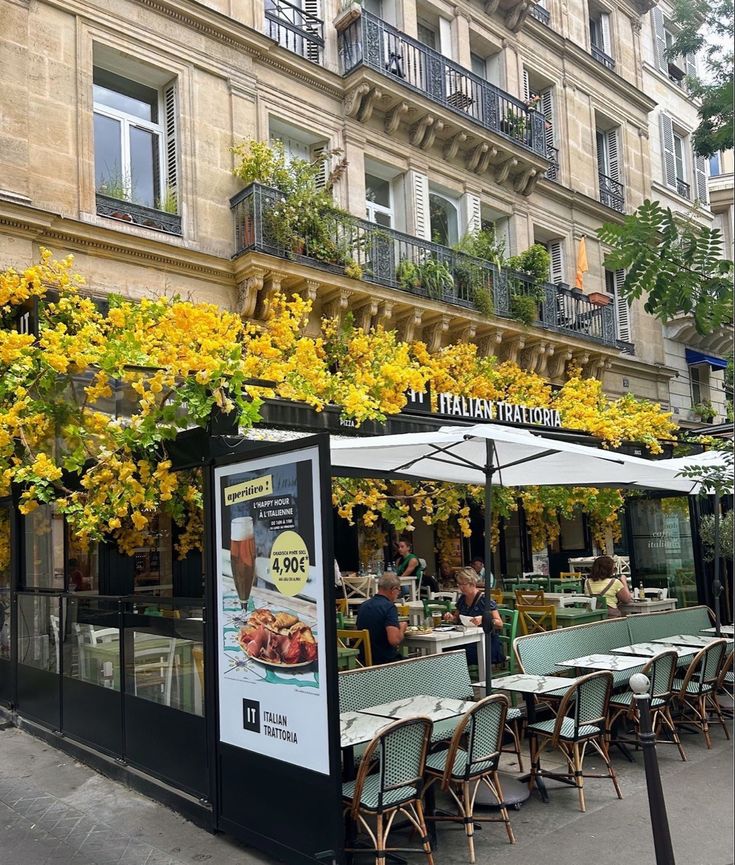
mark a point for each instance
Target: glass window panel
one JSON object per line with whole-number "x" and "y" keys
{"x": 377, "y": 190}
{"x": 92, "y": 643}
{"x": 144, "y": 175}
{"x": 5, "y": 581}
{"x": 426, "y": 35}
{"x": 82, "y": 565}
{"x": 443, "y": 216}
{"x": 383, "y": 219}
{"x": 478, "y": 65}
{"x": 125, "y": 95}
{"x": 108, "y": 171}
{"x": 38, "y": 632}
{"x": 679, "y": 157}
{"x": 572, "y": 533}
{"x": 714, "y": 165}
{"x": 44, "y": 550}
{"x": 153, "y": 564}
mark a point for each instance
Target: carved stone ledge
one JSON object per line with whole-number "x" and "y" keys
{"x": 409, "y": 325}
{"x": 433, "y": 334}
{"x": 247, "y": 291}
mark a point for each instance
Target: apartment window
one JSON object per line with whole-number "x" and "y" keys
{"x": 444, "y": 219}
{"x": 375, "y": 7}
{"x": 682, "y": 187}
{"x": 715, "y": 163}
{"x": 698, "y": 384}
{"x": 608, "y": 167}
{"x": 600, "y": 36}
{"x": 300, "y": 144}
{"x": 540, "y": 96}
{"x": 479, "y": 65}
{"x": 683, "y": 170}
{"x": 614, "y": 280}
{"x": 297, "y": 26}
{"x": 379, "y": 200}
{"x": 676, "y": 68}
{"x": 428, "y": 35}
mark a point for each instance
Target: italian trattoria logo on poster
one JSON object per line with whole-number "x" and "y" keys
{"x": 270, "y": 598}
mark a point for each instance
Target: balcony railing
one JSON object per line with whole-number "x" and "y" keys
{"x": 601, "y": 57}
{"x": 295, "y": 29}
{"x": 383, "y": 256}
{"x": 612, "y": 194}
{"x": 369, "y": 41}
{"x": 137, "y": 214}
{"x": 540, "y": 14}
{"x": 683, "y": 188}
{"x": 552, "y": 154}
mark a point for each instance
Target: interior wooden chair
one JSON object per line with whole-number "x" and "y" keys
{"x": 570, "y": 575}
{"x": 697, "y": 691}
{"x": 581, "y": 721}
{"x": 528, "y": 596}
{"x": 399, "y": 753}
{"x": 534, "y": 618}
{"x": 353, "y": 639}
{"x": 660, "y": 671}
{"x": 497, "y": 596}
{"x": 472, "y": 759}
{"x": 342, "y": 606}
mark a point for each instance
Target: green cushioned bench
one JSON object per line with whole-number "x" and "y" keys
{"x": 540, "y": 653}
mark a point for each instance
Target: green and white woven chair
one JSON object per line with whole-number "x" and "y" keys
{"x": 390, "y": 782}
{"x": 697, "y": 691}
{"x": 725, "y": 686}
{"x": 472, "y": 759}
{"x": 660, "y": 671}
{"x": 580, "y": 721}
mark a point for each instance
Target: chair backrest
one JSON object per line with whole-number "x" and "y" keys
{"x": 358, "y": 586}
{"x": 569, "y": 575}
{"x": 496, "y": 595}
{"x": 445, "y": 596}
{"x": 705, "y": 667}
{"x": 661, "y": 670}
{"x": 508, "y": 635}
{"x": 533, "y": 618}
{"x": 528, "y": 596}
{"x": 481, "y": 733}
{"x": 585, "y": 702}
{"x": 342, "y": 606}
{"x": 400, "y": 750}
{"x": 354, "y": 639}
{"x": 726, "y": 668}
{"x": 438, "y": 606}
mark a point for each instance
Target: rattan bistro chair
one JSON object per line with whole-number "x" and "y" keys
{"x": 725, "y": 686}
{"x": 660, "y": 671}
{"x": 580, "y": 721}
{"x": 395, "y": 788}
{"x": 472, "y": 759}
{"x": 697, "y": 691}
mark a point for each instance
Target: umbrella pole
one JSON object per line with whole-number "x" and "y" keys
{"x": 487, "y": 620}
{"x": 716, "y": 585}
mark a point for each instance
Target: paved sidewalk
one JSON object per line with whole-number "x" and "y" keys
{"x": 54, "y": 811}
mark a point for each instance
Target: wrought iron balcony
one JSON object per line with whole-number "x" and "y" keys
{"x": 601, "y": 57}
{"x": 345, "y": 245}
{"x": 612, "y": 193}
{"x": 295, "y": 29}
{"x": 552, "y": 154}
{"x": 540, "y": 14}
{"x": 369, "y": 42}
{"x": 683, "y": 188}
{"x": 137, "y": 214}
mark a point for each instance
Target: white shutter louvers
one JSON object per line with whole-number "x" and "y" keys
{"x": 700, "y": 179}
{"x": 659, "y": 39}
{"x": 170, "y": 144}
{"x": 667, "y": 150}
{"x": 556, "y": 266}
{"x": 622, "y": 309}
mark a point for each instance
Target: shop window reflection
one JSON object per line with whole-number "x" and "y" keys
{"x": 82, "y": 565}
{"x": 153, "y": 561}
{"x": 5, "y": 580}
{"x": 38, "y": 632}
{"x": 92, "y": 643}
{"x": 44, "y": 549}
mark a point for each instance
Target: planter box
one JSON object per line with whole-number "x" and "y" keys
{"x": 599, "y": 298}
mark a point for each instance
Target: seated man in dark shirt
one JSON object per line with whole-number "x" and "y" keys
{"x": 379, "y": 617}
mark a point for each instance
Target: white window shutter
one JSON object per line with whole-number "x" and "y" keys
{"x": 613, "y": 158}
{"x": 472, "y": 213}
{"x": 621, "y": 307}
{"x": 502, "y": 233}
{"x": 526, "y": 86}
{"x": 171, "y": 172}
{"x": 312, "y": 8}
{"x": 546, "y": 107}
{"x": 317, "y": 152}
{"x": 419, "y": 191}
{"x": 667, "y": 150}
{"x": 700, "y": 179}
{"x": 556, "y": 266}
{"x": 690, "y": 62}
{"x": 601, "y": 143}
{"x": 606, "y": 37}
{"x": 659, "y": 38}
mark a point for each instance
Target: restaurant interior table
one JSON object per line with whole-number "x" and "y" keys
{"x": 567, "y": 616}
{"x": 532, "y": 686}
{"x": 448, "y": 637}
{"x": 649, "y": 605}
{"x": 613, "y": 663}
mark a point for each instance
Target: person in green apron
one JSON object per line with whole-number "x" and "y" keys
{"x": 408, "y": 564}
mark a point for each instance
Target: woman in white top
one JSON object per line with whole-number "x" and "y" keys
{"x": 602, "y": 583}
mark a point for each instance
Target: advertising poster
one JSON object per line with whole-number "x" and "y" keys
{"x": 270, "y": 599}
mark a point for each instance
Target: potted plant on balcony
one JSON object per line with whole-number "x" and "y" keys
{"x": 704, "y": 411}
{"x": 526, "y": 295}
{"x": 478, "y": 252}
{"x": 407, "y": 275}
{"x": 599, "y": 298}
{"x": 436, "y": 278}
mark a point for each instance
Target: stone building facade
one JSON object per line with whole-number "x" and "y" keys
{"x": 539, "y": 119}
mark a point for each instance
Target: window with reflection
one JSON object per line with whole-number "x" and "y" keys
{"x": 92, "y": 642}
{"x": 82, "y": 565}
{"x": 39, "y": 632}
{"x": 44, "y": 549}
{"x": 153, "y": 562}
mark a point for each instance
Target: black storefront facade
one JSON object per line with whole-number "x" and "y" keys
{"x": 71, "y": 673}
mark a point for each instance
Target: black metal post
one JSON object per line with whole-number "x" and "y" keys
{"x": 656, "y": 803}
{"x": 716, "y": 584}
{"x": 487, "y": 620}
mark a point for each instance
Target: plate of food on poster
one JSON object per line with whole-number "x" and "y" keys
{"x": 278, "y": 639}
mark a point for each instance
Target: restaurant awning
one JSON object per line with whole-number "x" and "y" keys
{"x": 695, "y": 358}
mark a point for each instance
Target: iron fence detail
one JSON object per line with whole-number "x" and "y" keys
{"x": 612, "y": 194}
{"x": 295, "y": 29}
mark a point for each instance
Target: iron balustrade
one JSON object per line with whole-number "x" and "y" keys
{"x": 294, "y": 29}
{"x": 552, "y": 154}
{"x": 137, "y": 214}
{"x": 683, "y": 188}
{"x": 540, "y": 14}
{"x": 369, "y": 41}
{"x": 612, "y": 194}
{"x": 601, "y": 57}
{"x": 419, "y": 267}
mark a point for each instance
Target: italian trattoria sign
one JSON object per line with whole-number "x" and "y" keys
{"x": 451, "y": 405}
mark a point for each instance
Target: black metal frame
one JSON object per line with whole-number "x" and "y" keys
{"x": 137, "y": 214}
{"x": 612, "y": 193}
{"x": 601, "y": 57}
{"x": 295, "y": 29}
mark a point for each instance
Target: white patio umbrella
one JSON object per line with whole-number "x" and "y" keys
{"x": 485, "y": 454}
